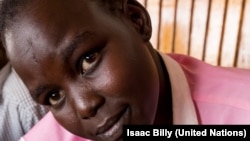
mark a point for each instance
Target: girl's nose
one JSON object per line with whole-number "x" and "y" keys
{"x": 87, "y": 103}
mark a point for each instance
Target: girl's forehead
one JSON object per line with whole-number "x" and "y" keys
{"x": 49, "y": 22}
{"x": 42, "y": 28}
{"x": 62, "y": 12}
{"x": 53, "y": 18}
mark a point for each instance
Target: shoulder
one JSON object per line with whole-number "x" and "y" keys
{"x": 206, "y": 78}
{"x": 199, "y": 71}
{"x": 215, "y": 89}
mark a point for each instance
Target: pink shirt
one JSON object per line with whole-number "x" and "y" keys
{"x": 201, "y": 94}
{"x": 220, "y": 95}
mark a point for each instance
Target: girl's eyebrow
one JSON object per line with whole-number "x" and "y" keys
{"x": 79, "y": 38}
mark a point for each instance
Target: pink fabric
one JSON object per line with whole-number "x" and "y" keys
{"x": 49, "y": 130}
{"x": 220, "y": 95}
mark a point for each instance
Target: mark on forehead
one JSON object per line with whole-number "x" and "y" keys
{"x": 34, "y": 58}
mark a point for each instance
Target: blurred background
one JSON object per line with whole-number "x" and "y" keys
{"x": 215, "y": 31}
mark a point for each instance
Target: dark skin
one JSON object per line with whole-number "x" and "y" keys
{"x": 97, "y": 71}
{"x": 3, "y": 58}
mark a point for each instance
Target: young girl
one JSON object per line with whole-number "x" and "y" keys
{"x": 92, "y": 63}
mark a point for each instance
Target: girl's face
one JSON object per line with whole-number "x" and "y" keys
{"x": 92, "y": 68}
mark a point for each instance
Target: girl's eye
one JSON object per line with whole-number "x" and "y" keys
{"x": 56, "y": 97}
{"x": 89, "y": 61}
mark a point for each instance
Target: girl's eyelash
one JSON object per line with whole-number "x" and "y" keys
{"x": 89, "y": 62}
{"x": 79, "y": 62}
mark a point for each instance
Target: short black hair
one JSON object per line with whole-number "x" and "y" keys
{"x": 9, "y": 9}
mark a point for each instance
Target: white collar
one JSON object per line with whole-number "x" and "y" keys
{"x": 183, "y": 106}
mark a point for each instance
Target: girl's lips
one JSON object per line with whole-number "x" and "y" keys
{"x": 111, "y": 125}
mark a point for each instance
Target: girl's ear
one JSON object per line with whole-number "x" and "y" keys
{"x": 139, "y": 16}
